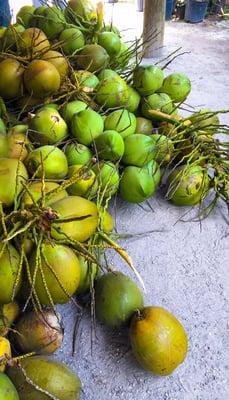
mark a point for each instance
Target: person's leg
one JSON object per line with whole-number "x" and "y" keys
{"x": 5, "y": 16}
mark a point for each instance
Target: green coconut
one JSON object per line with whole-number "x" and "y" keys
{"x": 7, "y": 389}
{"x": 12, "y": 176}
{"x": 139, "y": 150}
{"x": 147, "y": 79}
{"x": 35, "y": 190}
{"x": 33, "y": 41}
{"x": 78, "y": 154}
{"x": 134, "y": 100}
{"x": 111, "y": 42}
{"x": 41, "y": 78}
{"x": 47, "y": 127}
{"x": 177, "y": 86}
{"x": 116, "y": 299}
{"x": 144, "y": 126}
{"x": 89, "y": 272}
{"x": 54, "y": 161}
{"x": 157, "y": 101}
{"x": 71, "y": 40}
{"x": 112, "y": 92}
{"x": 59, "y": 61}
{"x": 122, "y": 121}
{"x": 11, "y": 82}
{"x": 84, "y": 10}
{"x": 188, "y": 186}
{"x": 58, "y": 380}
{"x": 139, "y": 183}
{"x": 61, "y": 282}
{"x": 92, "y": 57}
{"x": 18, "y": 144}
{"x": 205, "y": 120}
{"x": 9, "y": 273}
{"x": 83, "y": 216}
{"x": 109, "y": 146}
{"x": 84, "y": 182}
{"x": 52, "y": 21}
{"x": 85, "y": 79}
{"x": 12, "y": 35}
{"x": 107, "y": 74}
{"x": 25, "y": 15}
{"x": 163, "y": 148}
{"x": 71, "y": 108}
{"x": 107, "y": 177}
{"x": 86, "y": 126}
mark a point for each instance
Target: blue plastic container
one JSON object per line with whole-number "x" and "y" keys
{"x": 195, "y": 11}
{"x": 169, "y": 9}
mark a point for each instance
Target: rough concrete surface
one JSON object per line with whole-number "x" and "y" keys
{"x": 185, "y": 268}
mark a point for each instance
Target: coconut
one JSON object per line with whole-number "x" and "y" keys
{"x": 33, "y": 41}
{"x": 71, "y": 40}
{"x": 188, "y": 186}
{"x": 12, "y": 174}
{"x": 134, "y": 100}
{"x": 106, "y": 221}
{"x": 71, "y": 108}
{"x": 25, "y": 15}
{"x": 109, "y": 146}
{"x": 177, "y": 86}
{"x": 10, "y": 264}
{"x": 59, "y": 61}
{"x": 11, "y": 83}
{"x": 47, "y": 127}
{"x": 7, "y": 389}
{"x": 38, "y": 332}
{"x": 85, "y": 180}
{"x": 52, "y": 377}
{"x": 121, "y": 121}
{"x": 8, "y": 313}
{"x": 83, "y": 216}
{"x": 163, "y": 148}
{"x": 107, "y": 177}
{"x": 205, "y": 120}
{"x": 82, "y": 9}
{"x": 138, "y": 184}
{"x": 41, "y": 78}
{"x": 5, "y": 351}
{"x": 93, "y": 58}
{"x": 139, "y": 150}
{"x": 107, "y": 74}
{"x": 52, "y": 21}
{"x": 147, "y": 79}
{"x": 157, "y": 101}
{"x": 116, "y": 299}
{"x": 112, "y": 92}
{"x": 144, "y": 126}
{"x": 35, "y": 190}
{"x": 60, "y": 283}
{"x": 158, "y": 340}
{"x": 111, "y": 42}
{"x": 86, "y": 126}
{"x": 11, "y": 38}
{"x": 78, "y": 154}
{"x": 55, "y": 165}
{"x": 85, "y": 79}
{"x": 18, "y": 144}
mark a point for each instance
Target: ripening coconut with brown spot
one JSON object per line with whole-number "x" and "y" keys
{"x": 41, "y": 79}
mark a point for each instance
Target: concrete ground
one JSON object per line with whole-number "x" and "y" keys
{"x": 185, "y": 268}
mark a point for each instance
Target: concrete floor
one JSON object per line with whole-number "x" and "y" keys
{"x": 185, "y": 268}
